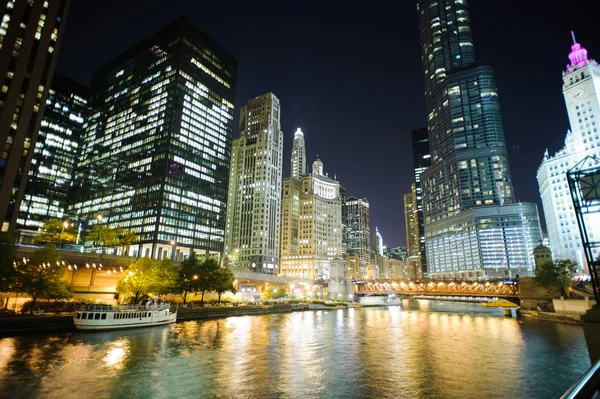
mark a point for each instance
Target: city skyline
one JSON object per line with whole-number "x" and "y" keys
{"x": 324, "y": 107}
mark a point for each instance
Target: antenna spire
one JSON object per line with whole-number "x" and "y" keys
{"x": 573, "y": 36}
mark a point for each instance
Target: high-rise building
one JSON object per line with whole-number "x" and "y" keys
{"x": 469, "y": 174}
{"x": 358, "y": 229}
{"x": 156, "y": 158}
{"x": 252, "y": 233}
{"x": 298, "y": 163}
{"x": 54, "y": 157}
{"x": 413, "y": 233}
{"x": 30, "y": 36}
{"x": 581, "y": 80}
{"x": 378, "y": 242}
{"x": 421, "y": 162}
{"x": 311, "y": 239}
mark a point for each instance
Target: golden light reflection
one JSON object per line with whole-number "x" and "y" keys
{"x": 116, "y": 354}
{"x": 7, "y": 351}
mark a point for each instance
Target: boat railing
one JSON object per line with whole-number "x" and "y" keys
{"x": 587, "y": 386}
{"x": 120, "y": 308}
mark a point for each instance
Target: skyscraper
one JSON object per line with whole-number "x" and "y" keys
{"x": 413, "y": 233}
{"x": 581, "y": 79}
{"x": 358, "y": 229}
{"x": 311, "y": 240}
{"x": 298, "y": 163}
{"x": 467, "y": 189}
{"x": 156, "y": 159}
{"x": 421, "y": 162}
{"x": 30, "y": 36}
{"x": 252, "y": 234}
{"x": 55, "y": 154}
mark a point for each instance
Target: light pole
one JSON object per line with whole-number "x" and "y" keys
{"x": 65, "y": 225}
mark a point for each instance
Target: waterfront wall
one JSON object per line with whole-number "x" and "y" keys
{"x": 572, "y": 306}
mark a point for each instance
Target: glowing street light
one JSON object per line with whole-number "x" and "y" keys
{"x": 65, "y": 225}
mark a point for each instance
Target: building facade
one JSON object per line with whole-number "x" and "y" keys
{"x": 358, "y": 229}
{"x": 155, "y": 159}
{"x": 581, "y": 90}
{"x": 421, "y": 162}
{"x": 30, "y": 37}
{"x": 252, "y": 235}
{"x": 469, "y": 161}
{"x": 311, "y": 240}
{"x": 413, "y": 233}
{"x": 298, "y": 162}
{"x": 54, "y": 157}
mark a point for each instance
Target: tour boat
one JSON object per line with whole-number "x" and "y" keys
{"x": 499, "y": 303}
{"x": 380, "y": 300}
{"x": 153, "y": 312}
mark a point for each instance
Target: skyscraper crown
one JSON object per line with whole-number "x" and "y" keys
{"x": 578, "y": 55}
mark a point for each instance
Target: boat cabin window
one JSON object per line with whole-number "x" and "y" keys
{"x": 84, "y": 316}
{"x": 103, "y": 317}
{"x": 97, "y": 316}
{"x": 78, "y": 316}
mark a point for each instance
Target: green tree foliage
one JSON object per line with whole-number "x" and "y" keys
{"x": 224, "y": 282}
{"x": 41, "y": 277}
{"x": 146, "y": 277}
{"x": 126, "y": 239}
{"x": 102, "y": 236}
{"x": 188, "y": 278}
{"x": 55, "y": 232}
{"x": 7, "y": 258}
{"x": 556, "y": 276}
{"x": 275, "y": 293}
{"x": 207, "y": 277}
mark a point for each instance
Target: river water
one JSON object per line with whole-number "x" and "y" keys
{"x": 425, "y": 350}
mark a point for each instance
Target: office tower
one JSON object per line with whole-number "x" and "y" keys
{"x": 358, "y": 229}
{"x": 311, "y": 239}
{"x": 344, "y": 221}
{"x": 298, "y": 163}
{"x": 473, "y": 228}
{"x": 413, "y": 233}
{"x": 156, "y": 158}
{"x": 30, "y": 36}
{"x": 421, "y": 162}
{"x": 581, "y": 80}
{"x": 378, "y": 242}
{"x": 54, "y": 157}
{"x": 253, "y": 209}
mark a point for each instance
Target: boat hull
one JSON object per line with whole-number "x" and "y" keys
{"x": 107, "y": 327}
{"x": 98, "y": 319}
{"x": 367, "y": 301}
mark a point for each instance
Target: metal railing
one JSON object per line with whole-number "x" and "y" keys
{"x": 120, "y": 308}
{"x": 587, "y": 386}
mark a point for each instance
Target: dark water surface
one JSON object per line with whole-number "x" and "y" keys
{"x": 426, "y": 350}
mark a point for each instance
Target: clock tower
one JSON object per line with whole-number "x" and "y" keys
{"x": 581, "y": 89}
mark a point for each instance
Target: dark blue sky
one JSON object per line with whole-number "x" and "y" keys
{"x": 349, "y": 74}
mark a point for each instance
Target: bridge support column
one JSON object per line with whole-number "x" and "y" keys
{"x": 591, "y": 331}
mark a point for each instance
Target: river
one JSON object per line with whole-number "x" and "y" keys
{"x": 425, "y": 350}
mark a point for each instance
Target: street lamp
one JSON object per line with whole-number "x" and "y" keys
{"x": 65, "y": 225}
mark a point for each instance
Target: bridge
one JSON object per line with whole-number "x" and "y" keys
{"x": 501, "y": 289}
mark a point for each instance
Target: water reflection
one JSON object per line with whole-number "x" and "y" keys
{"x": 426, "y": 350}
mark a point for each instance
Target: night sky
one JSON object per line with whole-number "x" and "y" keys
{"x": 349, "y": 74}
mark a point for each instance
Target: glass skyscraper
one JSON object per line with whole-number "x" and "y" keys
{"x": 469, "y": 161}
{"x": 421, "y": 162}
{"x": 30, "y": 37}
{"x": 156, "y": 156}
{"x": 55, "y": 155}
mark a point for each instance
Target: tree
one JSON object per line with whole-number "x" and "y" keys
{"x": 224, "y": 282}
{"x": 7, "y": 258}
{"x": 42, "y": 277}
{"x": 275, "y": 293}
{"x": 556, "y": 275}
{"x": 188, "y": 276}
{"x": 146, "y": 277}
{"x": 56, "y": 232}
{"x": 103, "y": 237}
{"x": 207, "y": 277}
{"x": 126, "y": 239}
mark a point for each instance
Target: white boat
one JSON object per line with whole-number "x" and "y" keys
{"x": 153, "y": 312}
{"x": 380, "y": 300}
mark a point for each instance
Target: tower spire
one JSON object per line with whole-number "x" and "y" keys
{"x": 573, "y": 36}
